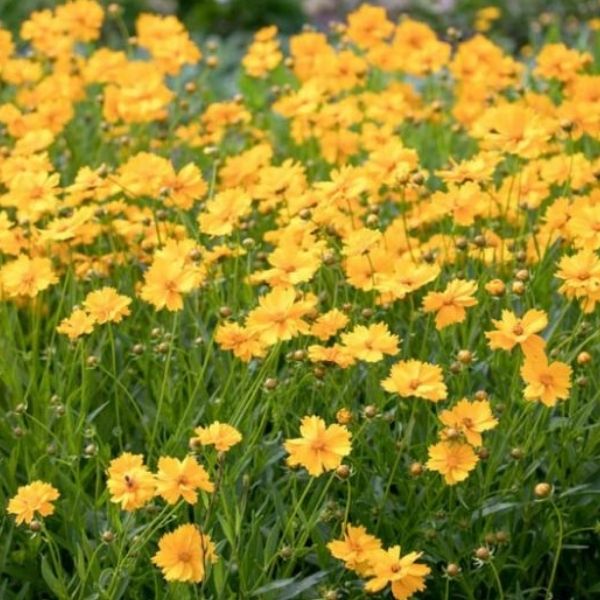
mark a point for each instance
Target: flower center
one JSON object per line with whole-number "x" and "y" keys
{"x": 518, "y": 329}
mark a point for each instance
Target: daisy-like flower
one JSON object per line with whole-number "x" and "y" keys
{"x": 320, "y": 448}
{"x": 220, "y": 435}
{"x": 77, "y": 324}
{"x": 130, "y": 483}
{"x": 106, "y": 305}
{"x": 328, "y": 324}
{"x": 512, "y": 330}
{"x": 181, "y": 478}
{"x": 453, "y": 460}
{"x": 355, "y": 549}
{"x": 166, "y": 281}
{"x": 36, "y": 497}
{"x": 27, "y": 276}
{"x": 371, "y": 343}
{"x": 470, "y": 419}
{"x": 403, "y": 573}
{"x": 546, "y": 382}
{"x": 415, "y": 378}
{"x": 244, "y": 344}
{"x": 183, "y": 554}
{"x": 278, "y": 316}
{"x": 451, "y": 304}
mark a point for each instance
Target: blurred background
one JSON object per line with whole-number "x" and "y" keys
{"x": 224, "y": 17}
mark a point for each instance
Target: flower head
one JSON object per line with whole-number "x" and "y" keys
{"x": 512, "y": 330}
{"x": 130, "y": 483}
{"x": 453, "y": 460}
{"x": 320, "y": 448}
{"x": 183, "y": 554}
{"x": 220, "y": 435}
{"x": 415, "y": 378}
{"x": 106, "y": 305}
{"x": 470, "y": 419}
{"x": 546, "y": 382}
{"x": 181, "y": 478}
{"x": 355, "y": 549}
{"x": 36, "y": 497}
{"x": 450, "y": 305}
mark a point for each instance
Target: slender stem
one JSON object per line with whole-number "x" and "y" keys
{"x": 557, "y": 554}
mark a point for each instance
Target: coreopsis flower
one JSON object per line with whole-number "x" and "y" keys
{"x": 36, "y": 497}
{"x": 368, "y": 26}
{"x": 403, "y": 573}
{"x": 27, "y": 276}
{"x": 320, "y": 448}
{"x": 355, "y": 549}
{"x": 328, "y": 324}
{"x": 181, "y": 478}
{"x": 336, "y": 354}
{"x": 77, "y": 324}
{"x": 452, "y": 459}
{"x": 166, "y": 281}
{"x": 450, "y": 305}
{"x": 415, "y": 378}
{"x": 470, "y": 419}
{"x": 244, "y": 344}
{"x": 107, "y": 306}
{"x": 279, "y": 316}
{"x": 512, "y": 330}
{"x": 546, "y": 382}
{"x": 220, "y": 435}
{"x": 184, "y": 554}
{"x": 130, "y": 483}
{"x": 371, "y": 343}
{"x": 581, "y": 278}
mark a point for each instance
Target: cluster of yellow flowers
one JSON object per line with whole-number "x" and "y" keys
{"x": 316, "y": 183}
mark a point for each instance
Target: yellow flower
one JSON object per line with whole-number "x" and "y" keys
{"x": 355, "y": 549}
{"x": 546, "y": 382}
{"x": 27, "y": 276}
{"x": 184, "y": 553}
{"x": 470, "y": 419}
{"x": 328, "y": 324}
{"x": 453, "y": 460}
{"x": 180, "y": 479}
{"x": 166, "y": 281}
{"x": 130, "y": 483}
{"x": 370, "y": 343}
{"x": 450, "y": 304}
{"x": 320, "y": 448}
{"x": 405, "y": 575}
{"x": 37, "y": 497}
{"x": 415, "y": 378}
{"x": 512, "y": 330}
{"x": 220, "y": 435}
{"x": 77, "y": 324}
{"x": 106, "y": 305}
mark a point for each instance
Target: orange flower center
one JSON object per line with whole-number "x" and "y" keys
{"x": 546, "y": 379}
{"x": 318, "y": 446}
{"x": 184, "y": 556}
{"x": 413, "y": 384}
{"x": 182, "y": 480}
{"x": 518, "y": 329}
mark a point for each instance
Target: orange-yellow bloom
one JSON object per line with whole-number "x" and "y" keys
{"x": 450, "y": 304}
{"x": 130, "y": 483}
{"x": 370, "y": 343}
{"x": 106, "y": 305}
{"x": 181, "y": 478}
{"x": 355, "y": 549}
{"x": 37, "y": 497}
{"x": 184, "y": 553}
{"x": 470, "y": 419}
{"x": 320, "y": 448}
{"x": 453, "y": 460}
{"x": 415, "y": 378}
{"x": 546, "y": 382}
{"x": 512, "y": 330}
{"x": 220, "y": 435}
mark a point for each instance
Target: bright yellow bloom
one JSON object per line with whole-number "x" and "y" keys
{"x": 130, "y": 483}
{"x": 512, "y": 330}
{"x": 36, "y": 497}
{"x": 184, "y": 553}
{"x": 181, "y": 478}
{"x": 405, "y": 575}
{"x": 328, "y": 324}
{"x": 320, "y": 448}
{"x": 77, "y": 324}
{"x": 546, "y": 382}
{"x": 220, "y": 435}
{"x": 27, "y": 276}
{"x": 355, "y": 549}
{"x": 106, "y": 305}
{"x": 371, "y": 343}
{"x": 453, "y": 460}
{"x": 166, "y": 281}
{"x": 450, "y": 304}
{"x": 470, "y": 419}
{"x": 415, "y": 378}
